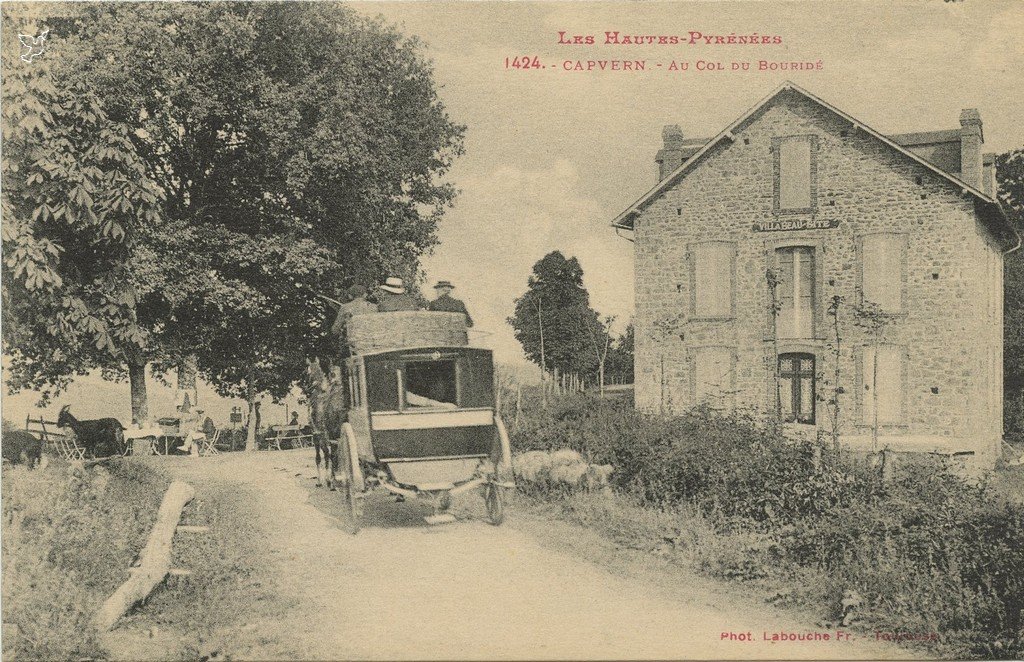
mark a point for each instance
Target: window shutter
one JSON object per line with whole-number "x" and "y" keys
{"x": 713, "y": 375}
{"x": 888, "y": 382}
{"x": 713, "y": 279}
{"x": 795, "y": 173}
{"x": 882, "y": 271}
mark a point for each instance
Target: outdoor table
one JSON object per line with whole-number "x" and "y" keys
{"x": 136, "y": 435}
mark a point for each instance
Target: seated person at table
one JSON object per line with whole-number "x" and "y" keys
{"x": 191, "y": 428}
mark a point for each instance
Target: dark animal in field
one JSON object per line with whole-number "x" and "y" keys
{"x": 21, "y": 447}
{"x": 100, "y": 437}
{"x": 328, "y": 412}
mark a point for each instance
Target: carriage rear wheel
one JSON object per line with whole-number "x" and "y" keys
{"x": 353, "y": 506}
{"x": 495, "y": 506}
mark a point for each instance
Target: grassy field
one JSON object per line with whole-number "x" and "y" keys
{"x": 69, "y": 537}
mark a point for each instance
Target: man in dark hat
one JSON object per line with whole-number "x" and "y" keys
{"x": 446, "y": 303}
{"x": 356, "y": 304}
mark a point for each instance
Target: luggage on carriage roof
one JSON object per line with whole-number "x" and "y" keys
{"x": 379, "y": 332}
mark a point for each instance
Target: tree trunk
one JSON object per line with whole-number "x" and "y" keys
{"x": 250, "y": 431}
{"x": 874, "y": 400}
{"x": 154, "y": 560}
{"x": 140, "y": 402}
{"x": 187, "y": 370}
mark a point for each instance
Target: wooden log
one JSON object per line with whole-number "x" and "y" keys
{"x": 154, "y": 561}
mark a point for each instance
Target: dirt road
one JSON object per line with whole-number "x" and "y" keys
{"x": 401, "y": 589}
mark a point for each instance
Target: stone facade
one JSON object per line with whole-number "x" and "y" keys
{"x": 948, "y": 333}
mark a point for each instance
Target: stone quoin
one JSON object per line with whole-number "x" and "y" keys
{"x": 747, "y": 239}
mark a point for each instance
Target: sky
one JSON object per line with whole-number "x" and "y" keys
{"x": 552, "y": 156}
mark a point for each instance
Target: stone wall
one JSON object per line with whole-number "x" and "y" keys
{"x": 865, "y": 186}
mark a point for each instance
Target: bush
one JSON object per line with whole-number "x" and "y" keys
{"x": 70, "y": 535}
{"x": 727, "y": 466}
{"x": 926, "y": 552}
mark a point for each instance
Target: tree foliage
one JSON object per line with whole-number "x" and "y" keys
{"x": 1010, "y": 176}
{"x": 297, "y": 148}
{"x": 557, "y": 306}
{"x": 76, "y": 203}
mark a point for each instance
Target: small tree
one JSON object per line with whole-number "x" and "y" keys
{"x": 553, "y": 320}
{"x": 870, "y": 317}
{"x": 775, "y": 306}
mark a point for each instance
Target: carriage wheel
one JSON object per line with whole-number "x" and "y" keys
{"x": 353, "y": 506}
{"x": 353, "y": 479}
{"x": 495, "y": 506}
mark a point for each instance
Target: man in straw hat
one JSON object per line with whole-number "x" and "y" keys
{"x": 446, "y": 303}
{"x": 394, "y": 298}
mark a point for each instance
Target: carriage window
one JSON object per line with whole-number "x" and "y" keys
{"x": 429, "y": 384}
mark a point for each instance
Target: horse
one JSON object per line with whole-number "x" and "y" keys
{"x": 328, "y": 413}
{"x": 100, "y": 437}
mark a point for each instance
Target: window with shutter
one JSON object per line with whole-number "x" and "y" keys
{"x": 713, "y": 375}
{"x": 794, "y": 173}
{"x": 795, "y": 292}
{"x": 712, "y": 284}
{"x": 882, "y": 383}
{"x": 882, "y": 271}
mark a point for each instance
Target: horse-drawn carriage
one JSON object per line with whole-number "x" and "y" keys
{"x": 422, "y": 420}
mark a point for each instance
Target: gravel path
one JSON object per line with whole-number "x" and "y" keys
{"x": 401, "y": 589}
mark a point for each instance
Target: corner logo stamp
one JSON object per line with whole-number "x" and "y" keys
{"x": 33, "y": 44}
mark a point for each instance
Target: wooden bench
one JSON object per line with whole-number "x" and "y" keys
{"x": 287, "y": 433}
{"x": 62, "y": 444}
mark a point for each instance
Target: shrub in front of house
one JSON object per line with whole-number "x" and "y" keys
{"x": 733, "y": 467}
{"x": 926, "y": 552}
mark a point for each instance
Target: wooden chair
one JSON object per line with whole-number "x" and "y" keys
{"x": 63, "y": 444}
{"x": 208, "y": 446}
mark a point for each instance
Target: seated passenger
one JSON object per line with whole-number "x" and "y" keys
{"x": 356, "y": 304}
{"x": 394, "y": 298}
{"x": 445, "y": 302}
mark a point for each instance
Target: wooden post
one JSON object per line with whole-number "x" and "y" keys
{"x": 154, "y": 561}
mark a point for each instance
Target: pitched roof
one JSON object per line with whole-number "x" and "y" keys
{"x": 625, "y": 219}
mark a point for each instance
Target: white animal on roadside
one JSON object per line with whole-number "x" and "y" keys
{"x": 564, "y": 469}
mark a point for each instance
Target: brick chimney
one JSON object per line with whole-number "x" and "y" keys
{"x": 988, "y": 173}
{"x": 670, "y": 156}
{"x": 971, "y": 140}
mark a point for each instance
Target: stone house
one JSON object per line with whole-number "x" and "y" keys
{"x": 800, "y": 258}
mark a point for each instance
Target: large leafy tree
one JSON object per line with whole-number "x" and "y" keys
{"x": 1010, "y": 175}
{"x": 76, "y": 203}
{"x": 298, "y": 147}
{"x": 554, "y": 322}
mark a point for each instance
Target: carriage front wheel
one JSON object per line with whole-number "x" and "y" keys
{"x": 353, "y": 477}
{"x": 495, "y": 506}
